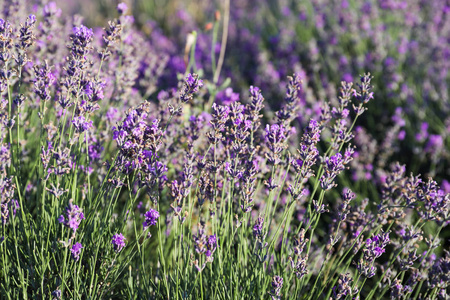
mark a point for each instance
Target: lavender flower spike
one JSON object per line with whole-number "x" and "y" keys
{"x": 277, "y": 284}
{"x": 118, "y": 241}
{"x": 76, "y": 251}
{"x": 151, "y": 218}
{"x": 192, "y": 84}
{"x": 74, "y": 215}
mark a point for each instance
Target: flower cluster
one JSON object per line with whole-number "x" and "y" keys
{"x": 277, "y": 284}
{"x": 76, "y": 251}
{"x": 139, "y": 142}
{"x": 333, "y": 166}
{"x": 275, "y": 137}
{"x": 74, "y": 216}
{"x": 204, "y": 244}
{"x": 344, "y": 287}
{"x": 192, "y": 84}
{"x": 151, "y": 218}
{"x": 375, "y": 247}
{"x": 118, "y": 242}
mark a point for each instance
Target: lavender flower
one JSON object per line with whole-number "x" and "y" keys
{"x": 375, "y": 247}
{"x": 277, "y": 284}
{"x": 219, "y": 116}
{"x": 211, "y": 245}
{"x": 254, "y": 108}
{"x": 26, "y": 40}
{"x": 118, "y": 241}
{"x": 44, "y": 80}
{"x": 275, "y": 137}
{"x": 94, "y": 90}
{"x": 112, "y": 35}
{"x": 439, "y": 276}
{"x": 344, "y": 287}
{"x": 204, "y": 245}
{"x": 258, "y": 228}
{"x": 151, "y": 218}
{"x": 122, "y": 8}
{"x": 7, "y": 201}
{"x": 292, "y": 99}
{"x": 299, "y": 262}
{"x": 81, "y": 124}
{"x": 6, "y": 43}
{"x": 364, "y": 93}
{"x": 307, "y": 154}
{"x": 81, "y": 39}
{"x": 260, "y": 235}
{"x": 139, "y": 143}
{"x": 333, "y": 166}
{"x": 76, "y": 251}
{"x": 57, "y": 294}
{"x": 192, "y": 84}
{"x": 74, "y": 215}
{"x": 344, "y": 207}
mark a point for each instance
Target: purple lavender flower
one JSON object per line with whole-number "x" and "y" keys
{"x": 333, "y": 166}
{"x": 375, "y": 247}
{"x": 139, "y": 142}
{"x": 151, "y": 218}
{"x": 57, "y": 294}
{"x": 440, "y": 272}
{"x": 275, "y": 137}
{"x": 344, "y": 287}
{"x": 26, "y": 40}
{"x": 192, "y": 84}
{"x": 219, "y": 116}
{"x": 344, "y": 207}
{"x": 94, "y": 90}
{"x": 82, "y": 35}
{"x": 200, "y": 240}
{"x": 307, "y": 154}
{"x": 435, "y": 201}
{"x": 44, "y": 80}
{"x": 211, "y": 245}
{"x": 7, "y": 203}
{"x": 292, "y": 98}
{"x": 364, "y": 93}
{"x": 258, "y": 228}
{"x": 204, "y": 245}
{"x": 6, "y": 43}
{"x": 122, "y": 8}
{"x": 299, "y": 262}
{"x": 255, "y": 106}
{"x": 76, "y": 251}
{"x": 397, "y": 290}
{"x": 81, "y": 124}
{"x": 118, "y": 241}
{"x": 277, "y": 284}
{"x": 74, "y": 215}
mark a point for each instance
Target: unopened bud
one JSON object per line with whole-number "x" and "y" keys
{"x": 217, "y": 15}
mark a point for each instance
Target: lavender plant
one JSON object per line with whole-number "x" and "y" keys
{"x": 130, "y": 169}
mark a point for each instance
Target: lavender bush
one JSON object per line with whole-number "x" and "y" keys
{"x": 237, "y": 152}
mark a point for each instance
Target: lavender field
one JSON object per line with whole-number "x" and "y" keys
{"x": 251, "y": 149}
